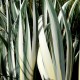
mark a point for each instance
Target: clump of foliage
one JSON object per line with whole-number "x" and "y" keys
{"x": 40, "y": 39}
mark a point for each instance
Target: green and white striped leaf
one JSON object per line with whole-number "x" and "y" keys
{"x": 45, "y": 51}
{"x": 69, "y": 47}
{"x": 72, "y": 11}
{"x": 14, "y": 10}
{"x": 20, "y": 48}
{"x": 35, "y": 34}
{"x": 29, "y": 63}
{"x": 64, "y": 8}
{"x": 44, "y": 13}
{"x": 57, "y": 41}
{"x": 13, "y": 58}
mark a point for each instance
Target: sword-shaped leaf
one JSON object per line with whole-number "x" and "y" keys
{"x": 57, "y": 41}
{"x": 45, "y": 54}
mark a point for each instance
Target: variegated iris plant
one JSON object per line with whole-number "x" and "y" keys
{"x": 29, "y": 38}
